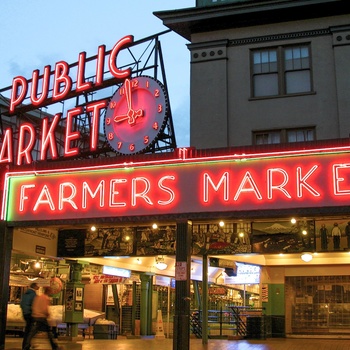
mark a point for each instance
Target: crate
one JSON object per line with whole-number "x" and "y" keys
{"x": 105, "y": 331}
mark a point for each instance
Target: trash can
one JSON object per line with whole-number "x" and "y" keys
{"x": 255, "y": 327}
{"x": 105, "y": 331}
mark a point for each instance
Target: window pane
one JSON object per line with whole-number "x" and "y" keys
{"x": 296, "y": 58}
{"x": 266, "y": 85}
{"x": 271, "y": 137}
{"x": 257, "y": 62}
{"x": 300, "y": 135}
{"x": 298, "y": 81}
{"x": 265, "y": 61}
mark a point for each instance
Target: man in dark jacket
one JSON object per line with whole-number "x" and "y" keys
{"x": 26, "y": 306}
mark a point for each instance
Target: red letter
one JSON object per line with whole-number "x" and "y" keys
{"x": 6, "y": 153}
{"x": 21, "y": 84}
{"x": 48, "y": 137}
{"x": 122, "y": 43}
{"x": 95, "y": 108}
{"x": 45, "y": 86}
{"x": 340, "y": 179}
{"x": 25, "y": 150}
{"x": 100, "y": 64}
{"x": 82, "y": 85}
{"x": 71, "y": 135}
{"x": 61, "y": 77}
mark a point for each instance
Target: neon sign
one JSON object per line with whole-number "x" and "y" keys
{"x": 56, "y": 86}
{"x": 188, "y": 185}
{"x": 62, "y": 84}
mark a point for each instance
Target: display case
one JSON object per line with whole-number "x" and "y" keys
{"x": 319, "y": 304}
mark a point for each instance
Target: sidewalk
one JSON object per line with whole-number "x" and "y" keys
{"x": 123, "y": 343}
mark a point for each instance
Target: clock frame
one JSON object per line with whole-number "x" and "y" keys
{"x": 136, "y": 115}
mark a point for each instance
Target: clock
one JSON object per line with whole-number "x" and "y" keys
{"x": 136, "y": 115}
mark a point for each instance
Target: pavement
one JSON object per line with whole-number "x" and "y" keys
{"x": 151, "y": 343}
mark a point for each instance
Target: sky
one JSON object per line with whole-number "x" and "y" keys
{"x": 37, "y": 33}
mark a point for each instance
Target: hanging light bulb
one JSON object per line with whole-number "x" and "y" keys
{"x": 160, "y": 263}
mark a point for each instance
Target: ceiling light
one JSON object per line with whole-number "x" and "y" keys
{"x": 154, "y": 226}
{"x": 160, "y": 263}
{"x": 293, "y": 221}
{"x": 307, "y": 257}
{"x": 221, "y": 224}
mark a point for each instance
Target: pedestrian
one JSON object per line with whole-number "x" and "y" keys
{"x": 40, "y": 313}
{"x": 336, "y": 234}
{"x": 324, "y": 237}
{"x": 26, "y": 307}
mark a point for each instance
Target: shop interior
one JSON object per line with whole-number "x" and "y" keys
{"x": 317, "y": 303}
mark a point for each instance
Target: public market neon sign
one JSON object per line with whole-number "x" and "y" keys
{"x": 180, "y": 186}
{"x": 55, "y": 86}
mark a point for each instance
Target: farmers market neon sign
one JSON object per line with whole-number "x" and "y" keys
{"x": 180, "y": 186}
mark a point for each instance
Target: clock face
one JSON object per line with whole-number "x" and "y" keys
{"x": 136, "y": 114}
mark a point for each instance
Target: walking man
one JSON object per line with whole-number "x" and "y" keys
{"x": 40, "y": 313}
{"x": 26, "y": 306}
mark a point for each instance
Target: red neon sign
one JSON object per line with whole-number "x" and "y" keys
{"x": 62, "y": 82}
{"x": 62, "y": 88}
{"x": 187, "y": 186}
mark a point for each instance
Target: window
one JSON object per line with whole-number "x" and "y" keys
{"x": 281, "y": 71}
{"x": 283, "y": 135}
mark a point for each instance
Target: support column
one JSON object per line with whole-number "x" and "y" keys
{"x": 6, "y": 238}
{"x": 74, "y": 301}
{"x": 146, "y": 306}
{"x": 205, "y": 330}
{"x": 181, "y": 339}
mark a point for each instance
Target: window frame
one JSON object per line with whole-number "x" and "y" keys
{"x": 281, "y": 70}
{"x": 283, "y": 134}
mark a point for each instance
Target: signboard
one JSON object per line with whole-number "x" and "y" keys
{"x": 116, "y": 271}
{"x": 181, "y": 271}
{"x": 182, "y": 185}
{"x": 246, "y": 274}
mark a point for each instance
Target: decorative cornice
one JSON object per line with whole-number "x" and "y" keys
{"x": 275, "y": 37}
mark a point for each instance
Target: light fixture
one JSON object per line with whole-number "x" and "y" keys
{"x": 160, "y": 263}
{"x": 154, "y": 226}
{"x": 93, "y": 228}
{"x": 221, "y": 224}
{"x": 307, "y": 257}
{"x": 293, "y": 221}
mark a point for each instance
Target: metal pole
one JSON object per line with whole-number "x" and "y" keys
{"x": 181, "y": 339}
{"x": 205, "y": 301}
{"x": 6, "y": 238}
{"x": 168, "y": 313}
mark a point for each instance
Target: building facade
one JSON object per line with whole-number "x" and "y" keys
{"x": 274, "y": 74}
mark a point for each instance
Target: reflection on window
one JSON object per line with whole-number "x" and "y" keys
{"x": 281, "y": 71}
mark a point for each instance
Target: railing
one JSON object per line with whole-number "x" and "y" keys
{"x": 240, "y": 321}
{"x": 196, "y": 324}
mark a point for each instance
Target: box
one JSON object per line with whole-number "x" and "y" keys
{"x": 105, "y": 331}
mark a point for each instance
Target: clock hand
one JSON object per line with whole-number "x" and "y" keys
{"x": 128, "y": 93}
{"x": 131, "y": 114}
{"x": 120, "y": 118}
